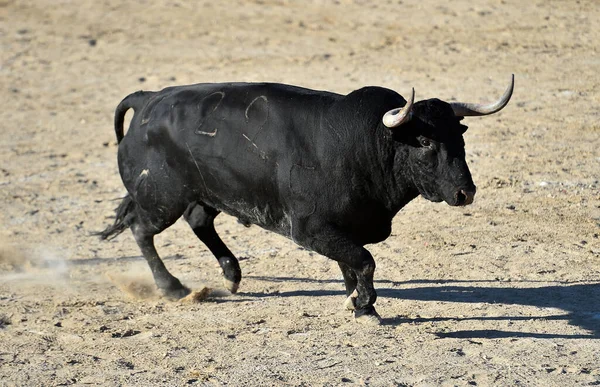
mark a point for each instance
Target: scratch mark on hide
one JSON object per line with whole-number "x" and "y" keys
{"x": 333, "y": 129}
{"x": 155, "y": 193}
{"x": 198, "y": 168}
{"x": 301, "y": 166}
{"x": 314, "y": 209}
{"x": 248, "y": 138}
{"x": 260, "y": 153}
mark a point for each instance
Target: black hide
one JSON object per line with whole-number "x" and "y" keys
{"x": 317, "y": 167}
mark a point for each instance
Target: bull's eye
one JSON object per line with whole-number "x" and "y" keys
{"x": 425, "y": 142}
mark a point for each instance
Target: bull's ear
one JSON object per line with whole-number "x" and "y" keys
{"x": 399, "y": 116}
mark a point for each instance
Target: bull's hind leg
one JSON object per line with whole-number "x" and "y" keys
{"x": 201, "y": 219}
{"x": 144, "y": 230}
{"x": 168, "y": 284}
{"x": 144, "y": 226}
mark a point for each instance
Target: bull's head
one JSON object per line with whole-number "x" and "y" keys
{"x": 431, "y": 132}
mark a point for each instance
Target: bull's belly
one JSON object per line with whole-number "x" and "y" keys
{"x": 265, "y": 215}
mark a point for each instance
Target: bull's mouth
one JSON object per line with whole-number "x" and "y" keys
{"x": 460, "y": 197}
{"x": 432, "y": 197}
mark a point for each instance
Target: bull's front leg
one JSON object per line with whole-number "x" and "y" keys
{"x": 356, "y": 262}
{"x": 364, "y": 268}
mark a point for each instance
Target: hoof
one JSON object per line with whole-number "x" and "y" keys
{"x": 350, "y": 303}
{"x": 369, "y": 319}
{"x": 231, "y": 286}
{"x": 232, "y": 275}
{"x": 176, "y": 294}
{"x": 367, "y": 316}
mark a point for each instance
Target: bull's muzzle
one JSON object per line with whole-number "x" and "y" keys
{"x": 464, "y": 197}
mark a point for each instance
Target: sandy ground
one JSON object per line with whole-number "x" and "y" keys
{"x": 504, "y": 292}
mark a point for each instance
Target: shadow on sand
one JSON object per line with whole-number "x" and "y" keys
{"x": 580, "y": 301}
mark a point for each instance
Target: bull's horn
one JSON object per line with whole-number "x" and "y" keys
{"x": 475, "y": 109}
{"x": 399, "y": 116}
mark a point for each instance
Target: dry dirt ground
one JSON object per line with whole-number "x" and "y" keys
{"x": 503, "y": 292}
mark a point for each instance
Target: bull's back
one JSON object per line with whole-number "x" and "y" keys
{"x": 234, "y": 147}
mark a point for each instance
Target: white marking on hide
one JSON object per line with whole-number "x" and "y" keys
{"x": 220, "y": 93}
{"x": 252, "y": 103}
{"x": 209, "y": 113}
{"x": 145, "y": 172}
{"x": 210, "y": 134}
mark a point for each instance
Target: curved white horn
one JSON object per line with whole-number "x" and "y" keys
{"x": 399, "y": 116}
{"x": 476, "y": 109}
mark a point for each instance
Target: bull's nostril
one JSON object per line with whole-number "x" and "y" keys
{"x": 461, "y": 198}
{"x": 468, "y": 197}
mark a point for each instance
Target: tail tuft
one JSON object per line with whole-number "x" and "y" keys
{"x": 123, "y": 219}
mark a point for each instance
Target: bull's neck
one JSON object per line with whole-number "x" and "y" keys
{"x": 397, "y": 188}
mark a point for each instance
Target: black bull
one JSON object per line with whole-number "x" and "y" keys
{"x": 326, "y": 170}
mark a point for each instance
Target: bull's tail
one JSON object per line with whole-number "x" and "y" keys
{"x": 125, "y": 213}
{"x": 133, "y": 101}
